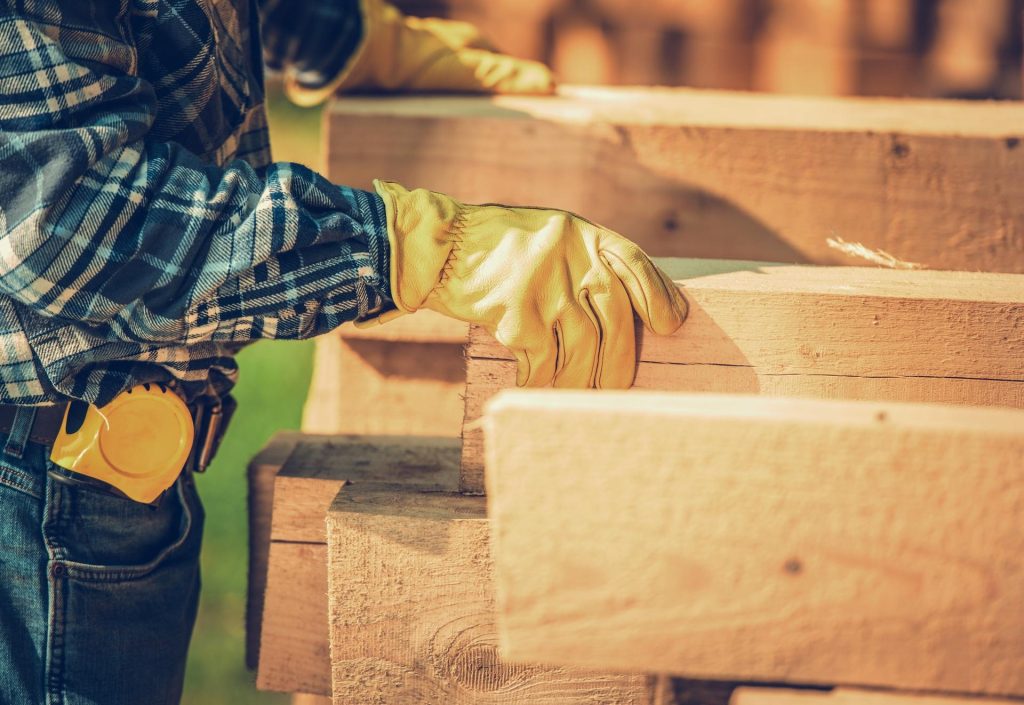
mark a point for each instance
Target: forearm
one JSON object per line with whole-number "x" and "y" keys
{"x": 151, "y": 245}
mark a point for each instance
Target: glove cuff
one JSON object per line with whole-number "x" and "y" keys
{"x": 424, "y": 229}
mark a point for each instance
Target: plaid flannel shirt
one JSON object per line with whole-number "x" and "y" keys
{"x": 145, "y": 234}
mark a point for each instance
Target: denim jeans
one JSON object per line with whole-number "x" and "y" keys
{"x": 98, "y": 594}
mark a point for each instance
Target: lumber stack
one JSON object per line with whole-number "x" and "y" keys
{"x": 831, "y": 523}
{"x": 410, "y": 574}
{"x": 769, "y": 322}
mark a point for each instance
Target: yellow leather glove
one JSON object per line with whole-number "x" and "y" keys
{"x": 555, "y": 289}
{"x": 401, "y": 53}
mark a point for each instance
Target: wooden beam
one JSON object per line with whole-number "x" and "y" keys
{"x": 752, "y": 538}
{"x": 829, "y": 332}
{"x": 412, "y": 610}
{"x": 853, "y": 696}
{"x": 716, "y": 174}
{"x": 387, "y": 385}
{"x": 293, "y": 620}
{"x": 262, "y": 470}
{"x": 295, "y": 651}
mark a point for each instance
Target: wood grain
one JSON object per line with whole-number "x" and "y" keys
{"x": 716, "y": 174}
{"x": 412, "y": 610}
{"x": 753, "y": 538}
{"x": 828, "y": 332}
{"x": 292, "y": 624}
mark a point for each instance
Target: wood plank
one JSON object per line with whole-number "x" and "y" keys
{"x": 853, "y": 696}
{"x": 412, "y": 610}
{"x": 262, "y": 470}
{"x": 488, "y": 377}
{"x": 380, "y": 386}
{"x": 827, "y": 332}
{"x": 295, "y": 651}
{"x": 716, "y": 174}
{"x": 752, "y": 538}
{"x": 838, "y": 320}
{"x": 294, "y": 633}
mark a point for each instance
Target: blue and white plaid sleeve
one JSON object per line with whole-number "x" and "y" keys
{"x": 136, "y": 240}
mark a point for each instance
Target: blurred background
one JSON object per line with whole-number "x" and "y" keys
{"x": 921, "y": 48}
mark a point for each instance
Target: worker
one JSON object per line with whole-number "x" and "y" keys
{"x": 146, "y": 235}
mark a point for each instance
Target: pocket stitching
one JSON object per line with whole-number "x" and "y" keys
{"x": 104, "y": 574}
{"x": 18, "y": 480}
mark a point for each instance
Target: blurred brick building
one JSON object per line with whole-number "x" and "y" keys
{"x": 942, "y": 48}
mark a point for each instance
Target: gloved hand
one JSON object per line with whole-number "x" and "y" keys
{"x": 557, "y": 290}
{"x": 398, "y": 52}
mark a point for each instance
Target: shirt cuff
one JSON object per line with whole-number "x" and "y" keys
{"x": 375, "y": 293}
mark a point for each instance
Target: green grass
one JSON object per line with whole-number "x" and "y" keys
{"x": 271, "y": 390}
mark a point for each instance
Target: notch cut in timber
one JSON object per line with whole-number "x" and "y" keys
{"x": 716, "y": 174}
{"x": 412, "y": 610}
{"x": 826, "y": 332}
{"x": 760, "y": 539}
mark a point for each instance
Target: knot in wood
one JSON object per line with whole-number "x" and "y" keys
{"x": 477, "y": 667}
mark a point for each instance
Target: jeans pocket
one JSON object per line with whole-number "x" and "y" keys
{"x": 100, "y": 537}
{"x": 123, "y": 601}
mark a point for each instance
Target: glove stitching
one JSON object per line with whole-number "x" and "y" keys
{"x": 455, "y": 235}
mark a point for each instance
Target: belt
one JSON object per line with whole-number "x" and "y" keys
{"x": 45, "y": 426}
{"x": 210, "y": 424}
